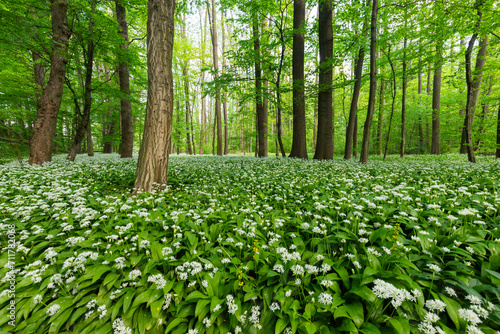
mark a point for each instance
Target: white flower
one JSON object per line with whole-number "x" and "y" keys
{"x": 158, "y": 280}
{"x": 434, "y": 267}
{"x": 37, "y": 299}
{"x": 53, "y": 310}
{"x": 325, "y": 298}
{"x": 274, "y": 307}
{"x": 450, "y": 291}
{"x": 469, "y": 316}
{"x": 435, "y": 305}
{"x": 134, "y": 274}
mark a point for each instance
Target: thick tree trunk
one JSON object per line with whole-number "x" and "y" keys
{"x": 152, "y": 166}
{"x": 127, "y": 144}
{"x": 324, "y": 141}
{"x": 436, "y": 102}
{"x": 299, "y": 147}
{"x": 365, "y": 145}
{"x": 279, "y": 124}
{"x": 355, "y": 138}
{"x": 403, "y": 103}
{"x": 50, "y": 101}
{"x": 473, "y": 85}
{"x": 87, "y": 92}
{"x": 358, "y": 71}
{"x": 259, "y": 103}
{"x": 203, "y": 100}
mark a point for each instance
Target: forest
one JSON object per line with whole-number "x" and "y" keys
{"x": 228, "y": 166}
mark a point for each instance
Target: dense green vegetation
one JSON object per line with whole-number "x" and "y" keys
{"x": 239, "y": 244}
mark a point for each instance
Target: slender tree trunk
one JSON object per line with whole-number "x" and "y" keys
{"x": 299, "y": 147}
{"x": 436, "y": 102}
{"x": 365, "y": 145}
{"x": 215, "y": 47}
{"x": 380, "y": 141}
{"x": 152, "y": 165}
{"x": 279, "y": 125}
{"x": 127, "y": 143}
{"x": 203, "y": 99}
{"x": 324, "y": 142}
{"x": 178, "y": 116}
{"x": 87, "y": 93}
{"x": 50, "y": 101}
{"x": 394, "y": 88}
{"x": 498, "y": 133}
{"x": 473, "y": 85}
{"x": 259, "y": 103}
{"x": 355, "y": 138}
{"x": 403, "y": 102}
{"x": 224, "y": 104}
{"x": 358, "y": 72}
{"x": 188, "y": 108}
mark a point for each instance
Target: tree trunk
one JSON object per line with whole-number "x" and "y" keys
{"x": 186, "y": 92}
{"x": 153, "y": 156}
{"x": 324, "y": 141}
{"x": 403, "y": 103}
{"x": 355, "y": 138}
{"x": 215, "y": 50}
{"x": 50, "y": 101}
{"x": 203, "y": 100}
{"x": 90, "y": 144}
{"x": 87, "y": 91}
{"x": 224, "y": 103}
{"x": 436, "y": 102}
{"x": 299, "y": 147}
{"x": 380, "y": 141}
{"x": 259, "y": 103}
{"x": 279, "y": 124}
{"x": 473, "y": 85}
{"x": 127, "y": 144}
{"x": 365, "y": 145}
{"x": 498, "y": 133}
{"x": 358, "y": 72}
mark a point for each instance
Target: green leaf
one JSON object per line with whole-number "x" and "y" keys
{"x": 355, "y": 310}
{"x": 452, "y": 308}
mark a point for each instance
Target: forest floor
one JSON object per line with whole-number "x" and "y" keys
{"x": 245, "y": 245}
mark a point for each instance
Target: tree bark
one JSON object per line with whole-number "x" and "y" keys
{"x": 215, "y": 54}
{"x": 473, "y": 85}
{"x": 299, "y": 147}
{"x": 365, "y": 145}
{"x": 498, "y": 133}
{"x": 358, "y": 72}
{"x": 259, "y": 103}
{"x": 152, "y": 165}
{"x": 403, "y": 102}
{"x": 87, "y": 92}
{"x": 127, "y": 127}
{"x": 186, "y": 92}
{"x": 90, "y": 143}
{"x": 436, "y": 101}
{"x": 380, "y": 124}
{"x": 50, "y": 101}
{"x": 203, "y": 99}
{"x": 224, "y": 103}
{"x": 324, "y": 141}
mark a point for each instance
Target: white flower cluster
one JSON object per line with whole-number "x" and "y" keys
{"x": 120, "y": 328}
{"x": 158, "y": 280}
{"x": 386, "y": 290}
{"x": 231, "y": 304}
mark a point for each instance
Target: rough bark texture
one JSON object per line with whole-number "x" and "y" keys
{"x": 473, "y": 85}
{"x": 436, "y": 102}
{"x": 365, "y": 145}
{"x": 299, "y": 147}
{"x": 127, "y": 145}
{"x": 155, "y": 148}
{"x": 259, "y": 103}
{"x": 324, "y": 141}
{"x": 87, "y": 93}
{"x": 358, "y": 71}
{"x": 50, "y": 101}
